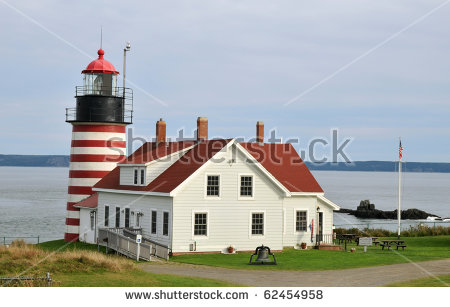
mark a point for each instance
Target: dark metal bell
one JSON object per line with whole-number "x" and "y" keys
{"x": 263, "y": 255}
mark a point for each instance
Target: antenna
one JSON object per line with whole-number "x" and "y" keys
{"x": 101, "y": 36}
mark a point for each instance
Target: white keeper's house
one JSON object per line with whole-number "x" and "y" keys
{"x": 206, "y": 195}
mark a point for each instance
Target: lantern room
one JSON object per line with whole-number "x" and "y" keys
{"x": 100, "y": 99}
{"x": 100, "y": 77}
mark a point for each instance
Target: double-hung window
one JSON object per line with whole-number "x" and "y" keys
{"x": 142, "y": 176}
{"x": 135, "y": 180}
{"x": 154, "y": 218}
{"x": 106, "y": 216}
{"x": 127, "y": 217}
{"x": 117, "y": 217}
{"x": 300, "y": 221}
{"x": 139, "y": 176}
{"x": 200, "y": 224}
{"x": 258, "y": 223}
{"x": 246, "y": 188}
{"x": 166, "y": 223}
{"x": 213, "y": 185}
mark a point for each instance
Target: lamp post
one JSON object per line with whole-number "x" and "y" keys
{"x": 127, "y": 48}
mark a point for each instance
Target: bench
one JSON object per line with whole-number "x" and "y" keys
{"x": 402, "y": 246}
{"x": 385, "y": 245}
{"x": 376, "y": 242}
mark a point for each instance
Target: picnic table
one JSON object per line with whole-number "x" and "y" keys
{"x": 393, "y": 243}
{"x": 375, "y": 241}
{"x": 346, "y": 237}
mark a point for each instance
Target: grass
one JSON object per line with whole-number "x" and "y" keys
{"x": 419, "y": 249}
{"x": 440, "y": 281}
{"x": 79, "y": 264}
{"x": 61, "y": 245}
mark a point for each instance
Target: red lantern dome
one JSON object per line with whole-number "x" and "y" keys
{"x": 100, "y": 65}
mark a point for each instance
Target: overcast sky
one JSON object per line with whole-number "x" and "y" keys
{"x": 374, "y": 70}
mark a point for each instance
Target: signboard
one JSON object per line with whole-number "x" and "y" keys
{"x": 138, "y": 239}
{"x": 365, "y": 241}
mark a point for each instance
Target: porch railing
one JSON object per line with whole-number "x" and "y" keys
{"x": 325, "y": 239}
{"x": 123, "y": 241}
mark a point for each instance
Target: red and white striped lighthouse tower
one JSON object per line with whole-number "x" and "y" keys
{"x": 98, "y": 136}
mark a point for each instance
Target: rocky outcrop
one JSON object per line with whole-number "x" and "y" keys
{"x": 367, "y": 210}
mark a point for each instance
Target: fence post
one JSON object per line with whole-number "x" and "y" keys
{"x": 38, "y": 239}
{"x": 138, "y": 251}
{"x": 4, "y": 240}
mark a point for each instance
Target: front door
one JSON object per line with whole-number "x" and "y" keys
{"x": 320, "y": 227}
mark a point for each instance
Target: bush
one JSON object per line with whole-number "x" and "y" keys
{"x": 413, "y": 231}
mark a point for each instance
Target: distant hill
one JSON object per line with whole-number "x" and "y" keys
{"x": 34, "y": 160}
{"x": 360, "y": 166}
{"x": 381, "y": 166}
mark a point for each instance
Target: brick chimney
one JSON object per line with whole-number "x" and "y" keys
{"x": 160, "y": 131}
{"x": 260, "y": 132}
{"x": 202, "y": 128}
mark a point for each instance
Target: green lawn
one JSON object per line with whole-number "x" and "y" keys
{"x": 61, "y": 245}
{"x": 440, "y": 281}
{"x": 419, "y": 249}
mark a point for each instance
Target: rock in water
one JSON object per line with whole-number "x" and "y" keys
{"x": 368, "y": 211}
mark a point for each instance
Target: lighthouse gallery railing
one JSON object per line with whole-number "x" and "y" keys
{"x": 120, "y": 92}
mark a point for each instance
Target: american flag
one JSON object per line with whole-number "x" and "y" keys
{"x": 400, "y": 151}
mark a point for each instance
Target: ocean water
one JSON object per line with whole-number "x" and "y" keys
{"x": 33, "y": 199}
{"x": 429, "y": 192}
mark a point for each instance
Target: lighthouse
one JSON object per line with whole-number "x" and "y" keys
{"x": 99, "y": 119}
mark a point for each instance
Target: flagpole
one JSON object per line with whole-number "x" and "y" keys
{"x": 399, "y": 212}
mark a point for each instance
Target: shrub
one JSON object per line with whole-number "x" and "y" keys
{"x": 414, "y": 231}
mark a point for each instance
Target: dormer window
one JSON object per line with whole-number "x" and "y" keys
{"x": 139, "y": 176}
{"x": 142, "y": 176}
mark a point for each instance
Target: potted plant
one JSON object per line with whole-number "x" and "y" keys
{"x": 230, "y": 249}
{"x": 303, "y": 245}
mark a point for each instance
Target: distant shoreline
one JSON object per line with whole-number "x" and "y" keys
{"x": 357, "y": 166}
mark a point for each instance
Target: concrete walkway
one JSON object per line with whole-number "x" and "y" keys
{"x": 361, "y": 277}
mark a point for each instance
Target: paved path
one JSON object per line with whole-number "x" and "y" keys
{"x": 360, "y": 277}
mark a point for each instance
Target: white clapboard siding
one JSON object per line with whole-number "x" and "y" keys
{"x": 291, "y": 205}
{"x": 144, "y": 204}
{"x": 229, "y": 218}
{"x": 126, "y": 175}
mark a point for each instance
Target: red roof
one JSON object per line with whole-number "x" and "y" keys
{"x": 281, "y": 160}
{"x": 172, "y": 176}
{"x": 100, "y": 65}
{"x": 284, "y": 163}
{"x": 90, "y": 202}
{"x": 152, "y": 151}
